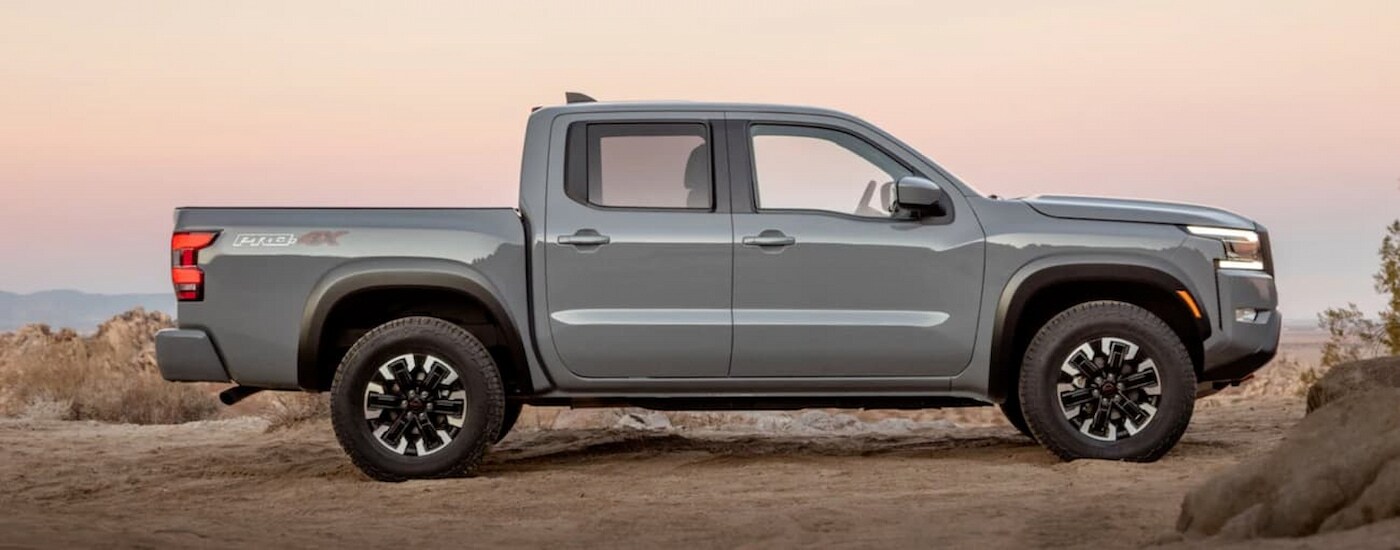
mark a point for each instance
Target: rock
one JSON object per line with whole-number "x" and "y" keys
{"x": 1357, "y": 376}
{"x": 822, "y": 421}
{"x": 772, "y": 422}
{"x": 126, "y": 342}
{"x": 585, "y": 419}
{"x": 1338, "y": 469}
{"x": 895, "y": 426}
{"x": 644, "y": 420}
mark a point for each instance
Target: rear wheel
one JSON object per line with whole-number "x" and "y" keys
{"x": 417, "y": 397}
{"x": 1107, "y": 380}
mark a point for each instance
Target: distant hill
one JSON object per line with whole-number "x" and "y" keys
{"x": 72, "y": 309}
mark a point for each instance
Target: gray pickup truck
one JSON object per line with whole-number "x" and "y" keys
{"x": 684, "y": 256}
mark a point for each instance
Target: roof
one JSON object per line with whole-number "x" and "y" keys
{"x": 625, "y": 106}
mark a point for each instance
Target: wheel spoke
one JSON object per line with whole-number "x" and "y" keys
{"x": 383, "y": 401}
{"x": 428, "y": 433}
{"x": 1084, "y": 364}
{"x": 1100, "y": 421}
{"x": 1075, "y": 398}
{"x": 1139, "y": 379}
{"x": 449, "y": 406}
{"x": 396, "y": 430}
{"x": 435, "y": 374}
{"x": 1129, "y": 409}
{"x": 1118, "y": 346}
{"x": 401, "y": 374}
{"x": 1117, "y": 351}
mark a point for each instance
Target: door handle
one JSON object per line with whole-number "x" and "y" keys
{"x": 770, "y": 238}
{"x": 585, "y": 237}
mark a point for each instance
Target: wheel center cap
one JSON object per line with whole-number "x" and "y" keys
{"x": 415, "y": 404}
{"x": 1108, "y": 388}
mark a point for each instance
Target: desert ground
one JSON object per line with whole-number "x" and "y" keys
{"x": 269, "y": 474}
{"x": 231, "y": 483}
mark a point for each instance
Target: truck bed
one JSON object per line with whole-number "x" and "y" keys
{"x": 269, "y": 268}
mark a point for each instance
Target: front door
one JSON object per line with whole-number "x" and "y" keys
{"x": 638, "y": 258}
{"x": 827, "y": 281}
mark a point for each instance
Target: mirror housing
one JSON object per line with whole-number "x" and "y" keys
{"x": 919, "y": 197}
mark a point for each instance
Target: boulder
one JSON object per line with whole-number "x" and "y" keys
{"x": 1338, "y": 469}
{"x": 1357, "y": 376}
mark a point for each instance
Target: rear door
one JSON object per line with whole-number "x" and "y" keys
{"x": 638, "y": 258}
{"x": 827, "y": 281}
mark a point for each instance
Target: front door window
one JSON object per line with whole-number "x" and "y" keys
{"x": 807, "y": 168}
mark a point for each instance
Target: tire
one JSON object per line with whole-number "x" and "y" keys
{"x": 430, "y": 382}
{"x": 512, "y": 414}
{"x": 1114, "y": 354}
{"x": 1012, "y": 409}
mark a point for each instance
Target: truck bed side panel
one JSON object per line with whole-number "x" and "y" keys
{"x": 268, "y": 262}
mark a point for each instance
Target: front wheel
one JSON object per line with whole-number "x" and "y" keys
{"x": 1107, "y": 380}
{"x": 512, "y": 414}
{"x": 417, "y": 397}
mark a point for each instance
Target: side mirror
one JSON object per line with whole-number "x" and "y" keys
{"x": 919, "y": 197}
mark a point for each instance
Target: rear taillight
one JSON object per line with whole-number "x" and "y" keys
{"x": 184, "y": 264}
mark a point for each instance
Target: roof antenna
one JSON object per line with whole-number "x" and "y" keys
{"x": 575, "y": 97}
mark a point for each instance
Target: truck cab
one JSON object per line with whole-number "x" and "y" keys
{"x": 744, "y": 245}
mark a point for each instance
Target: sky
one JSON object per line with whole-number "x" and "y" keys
{"x": 114, "y": 113}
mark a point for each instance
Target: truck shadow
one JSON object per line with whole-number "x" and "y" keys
{"x": 561, "y": 447}
{"x": 310, "y": 452}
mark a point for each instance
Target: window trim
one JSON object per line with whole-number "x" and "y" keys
{"x": 577, "y": 153}
{"x": 741, "y": 132}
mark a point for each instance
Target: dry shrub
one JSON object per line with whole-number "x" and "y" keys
{"x": 1308, "y": 378}
{"x": 289, "y": 410}
{"x": 44, "y": 409}
{"x": 110, "y": 376}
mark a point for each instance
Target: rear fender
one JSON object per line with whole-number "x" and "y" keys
{"x": 396, "y": 273}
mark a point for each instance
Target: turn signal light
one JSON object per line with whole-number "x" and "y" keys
{"x": 185, "y": 273}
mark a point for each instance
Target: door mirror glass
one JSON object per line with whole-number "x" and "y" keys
{"x": 919, "y": 197}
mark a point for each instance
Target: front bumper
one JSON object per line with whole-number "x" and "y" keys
{"x": 186, "y": 355}
{"x": 1238, "y": 348}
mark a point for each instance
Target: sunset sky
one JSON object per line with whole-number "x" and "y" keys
{"x": 113, "y": 113}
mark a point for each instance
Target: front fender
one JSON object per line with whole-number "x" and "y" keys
{"x": 1044, "y": 273}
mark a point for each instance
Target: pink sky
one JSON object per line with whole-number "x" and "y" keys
{"x": 112, "y": 113}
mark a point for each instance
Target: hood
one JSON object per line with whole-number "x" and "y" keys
{"x": 1128, "y": 210}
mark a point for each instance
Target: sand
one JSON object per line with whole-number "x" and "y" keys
{"x": 230, "y": 483}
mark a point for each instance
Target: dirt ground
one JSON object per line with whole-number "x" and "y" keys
{"x": 228, "y": 483}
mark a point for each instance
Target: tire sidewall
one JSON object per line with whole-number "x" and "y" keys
{"x": 379, "y": 346}
{"x": 1011, "y": 408}
{"x": 508, "y": 420}
{"x": 1060, "y": 337}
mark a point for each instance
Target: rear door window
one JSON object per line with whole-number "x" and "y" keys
{"x": 651, "y": 165}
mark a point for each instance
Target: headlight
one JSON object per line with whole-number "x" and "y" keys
{"x": 1242, "y": 248}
